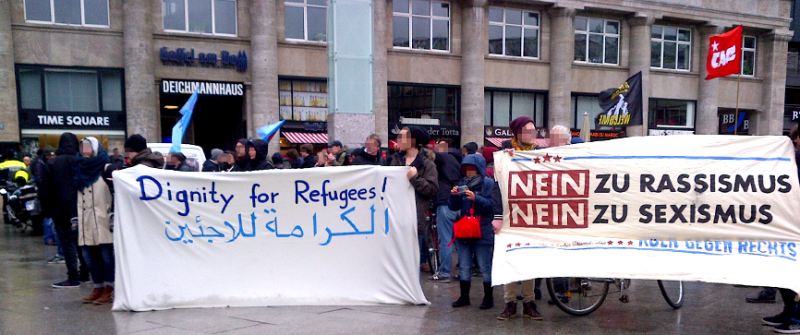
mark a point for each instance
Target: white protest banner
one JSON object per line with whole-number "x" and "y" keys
{"x": 694, "y": 208}
{"x": 326, "y": 236}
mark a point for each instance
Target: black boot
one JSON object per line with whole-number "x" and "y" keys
{"x": 463, "y": 300}
{"x": 537, "y": 291}
{"x": 488, "y": 296}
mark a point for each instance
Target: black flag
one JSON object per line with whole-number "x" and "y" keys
{"x": 622, "y": 106}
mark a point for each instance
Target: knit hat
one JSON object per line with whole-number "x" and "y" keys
{"x": 136, "y": 142}
{"x": 215, "y": 153}
{"x": 419, "y": 135}
{"x": 517, "y": 124}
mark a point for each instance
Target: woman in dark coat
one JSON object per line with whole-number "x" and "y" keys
{"x": 257, "y": 151}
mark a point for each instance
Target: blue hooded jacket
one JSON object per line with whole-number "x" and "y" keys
{"x": 487, "y": 201}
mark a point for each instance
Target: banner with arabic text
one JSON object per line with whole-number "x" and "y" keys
{"x": 694, "y": 208}
{"x": 324, "y": 236}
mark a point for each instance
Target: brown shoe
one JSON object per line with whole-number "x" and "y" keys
{"x": 529, "y": 311}
{"x": 107, "y": 298}
{"x": 96, "y": 293}
{"x": 509, "y": 312}
{"x": 425, "y": 268}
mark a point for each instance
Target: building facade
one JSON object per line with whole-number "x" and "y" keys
{"x": 461, "y": 68}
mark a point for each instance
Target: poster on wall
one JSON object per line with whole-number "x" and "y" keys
{"x": 303, "y": 100}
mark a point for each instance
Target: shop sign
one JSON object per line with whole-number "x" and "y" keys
{"x": 669, "y": 132}
{"x": 71, "y": 120}
{"x": 315, "y": 126}
{"x": 600, "y": 135}
{"x": 793, "y": 111}
{"x": 186, "y": 57}
{"x": 433, "y": 131}
{"x": 497, "y": 131}
{"x": 203, "y": 87}
{"x": 728, "y": 120}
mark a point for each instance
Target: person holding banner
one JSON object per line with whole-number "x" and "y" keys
{"x": 475, "y": 194}
{"x": 524, "y": 130}
{"x": 423, "y": 177}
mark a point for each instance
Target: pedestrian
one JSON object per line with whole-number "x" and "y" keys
{"x": 559, "y": 136}
{"x": 213, "y": 164}
{"x": 524, "y": 130}
{"x": 27, "y": 161}
{"x": 242, "y": 157}
{"x": 294, "y": 158}
{"x": 60, "y": 202}
{"x": 338, "y": 155}
{"x": 94, "y": 219}
{"x": 278, "y": 162}
{"x": 117, "y": 159}
{"x": 423, "y": 178}
{"x": 38, "y": 170}
{"x": 177, "y": 162}
{"x": 371, "y": 153}
{"x": 309, "y": 159}
{"x": 257, "y": 151}
{"x": 227, "y": 161}
{"x": 470, "y": 148}
{"x": 482, "y": 197}
{"x": 139, "y": 154}
{"x": 488, "y": 155}
{"x": 449, "y": 174}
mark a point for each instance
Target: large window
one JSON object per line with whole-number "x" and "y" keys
{"x": 67, "y": 90}
{"x": 596, "y": 40}
{"x": 72, "y": 12}
{"x": 421, "y": 24}
{"x": 418, "y": 104}
{"x": 665, "y": 113}
{"x": 500, "y": 107}
{"x": 749, "y": 56}
{"x": 586, "y": 104}
{"x": 671, "y": 48}
{"x": 200, "y": 16}
{"x": 305, "y": 20}
{"x": 513, "y": 32}
{"x": 303, "y": 100}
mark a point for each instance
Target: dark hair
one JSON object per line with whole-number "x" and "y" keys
{"x": 472, "y": 147}
{"x": 506, "y": 144}
{"x": 308, "y": 148}
{"x": 375, "y": 137}
{"x": 449, "y": 141}
{"x": 40, "y": 152}
{"x": 795, "y": 132}
{"x": 292, "y": 154}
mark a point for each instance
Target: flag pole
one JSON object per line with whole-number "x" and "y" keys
{"x": 736, "y": 117}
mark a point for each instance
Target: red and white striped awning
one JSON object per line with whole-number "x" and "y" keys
{"x": 498, "y": 141}
{"x": 302, "y": 138}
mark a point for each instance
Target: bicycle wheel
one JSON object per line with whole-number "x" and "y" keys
{"x": 672, "y": 292}
{"x": 578, "y": 296}
{"x": 433, "y": 249}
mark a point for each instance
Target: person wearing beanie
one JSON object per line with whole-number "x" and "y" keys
{"x": 178, "y": 162}
{"x": 213, "y": 164}
{"x": 524, "y": 130}
{"x": 278, "y": 161}
{"x": 138, "y": 153}
{"x": 423, "y": 177}
{"x": 488, "y": 155}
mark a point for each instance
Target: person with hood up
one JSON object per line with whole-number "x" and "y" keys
{"x": 94, "y": 219}
{"x": 257, "y": 151}
{"x": 213, "y": 164}
{"x": 242, "y": 158}
{"x": 59, "y": 198}
{"x": 139, "y": 154}
{"x": 482, "y": 196}
{"x": 371, "y": 153}
{"x": 177, "y": 161}
{"x": 423, "y": 177}
{"x": 278, "y": 162}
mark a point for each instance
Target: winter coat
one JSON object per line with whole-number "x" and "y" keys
{"x": 425, "y": 183}
{"x": 261, "y": 162}
{"x": 184, "y": 167}
{"x": 147, "y": 158}
{"x": 449, "y": 170}
{"x": 59, "y": 193}
{"x": 340, "y": 158}
{"x": 94, "y": 219}
{"x": 309, "y": 162}
{"x": 488, "y": 201}
{"x": 210, "y": 166}
{"x": 364, "y": 158}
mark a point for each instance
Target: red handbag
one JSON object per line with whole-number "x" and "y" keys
{"x": 468, "y": 226}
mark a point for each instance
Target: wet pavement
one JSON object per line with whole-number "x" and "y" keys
{"x": 29, "y": 306}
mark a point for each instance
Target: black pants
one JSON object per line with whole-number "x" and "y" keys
{"x": 69, "y": 242}
{"x": 789, "y": 305}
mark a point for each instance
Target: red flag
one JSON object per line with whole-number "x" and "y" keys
{"x": 724, "y": 54}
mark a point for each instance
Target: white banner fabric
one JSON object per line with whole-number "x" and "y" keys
{"x": 694, "y": 208}
{"x": 326, "y": 236}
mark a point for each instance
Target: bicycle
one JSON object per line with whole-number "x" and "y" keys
{"x": 582, "y": 296}
{"x": 432, "y": 237}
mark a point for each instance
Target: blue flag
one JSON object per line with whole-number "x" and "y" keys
{"x": 267, "y": 132}
{"x": 180, "y": 128}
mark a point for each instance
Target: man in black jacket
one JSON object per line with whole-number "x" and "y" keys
{"x": 60, "y": 202}
{"x": 449, "y": 170}
{"x": 213, "y": 164}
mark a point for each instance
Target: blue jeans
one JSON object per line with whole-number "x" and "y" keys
{"x": 49, "y": 230}
{"x": 100, "y": 260}
{"x": 444, "y": 226}
{"x": 483, "y": 252}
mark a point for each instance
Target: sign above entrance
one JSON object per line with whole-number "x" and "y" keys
{"x": 203, "y": 87}
{"x": 184, "y": 57}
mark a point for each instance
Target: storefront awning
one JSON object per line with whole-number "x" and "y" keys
{"x": 302, "y": 138}
{"x": 498, "y": 141}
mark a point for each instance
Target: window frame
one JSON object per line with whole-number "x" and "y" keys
{"x": 754, "y": 50}
{"x": 422, "y": 90}
{"x": 522, "y": 26}
{"x": 213, "y": 20}
{"x": 677, "y": 42}
{"x": 537, "y": 94}
{"x": 83, "y": 16}
{"x": 410, "y": 17}
{"x": 604, "y": 34}
{"x": 653, "y": 106}
{"x": 305, "y": 6}
{"x": 43, "y": 69}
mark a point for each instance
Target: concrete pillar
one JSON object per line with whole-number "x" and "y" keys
{"x": 263, "y": 68}
{"x": 380, "y": 71}
{"x": 143, "y": 115}
{"x": 639, "y": 60}
{"x": 707, "y": 115}
{"x": 473, "y": 52}
{"x": 9, "y": 118}
{"x": 769, "y": 120}
{"x": 562, "y": 53}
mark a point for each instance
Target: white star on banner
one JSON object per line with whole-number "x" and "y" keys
{"x": 715, "y": 45}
